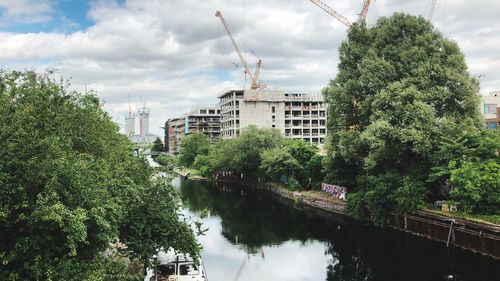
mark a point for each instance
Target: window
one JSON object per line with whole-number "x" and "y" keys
{"x": 274, "y": 118}
{"x": 203, "y": 111}
{"x": 188, "y": 269}
{"x": 274, "y": 126}
{"x": 273, "y": 108}
{"x": 490, "y": 108}
{"x": 164, "y": 270}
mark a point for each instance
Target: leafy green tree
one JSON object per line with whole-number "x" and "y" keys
{"x": 243, "y": 154}
{"x": 278, "y": 162}
{"x": 192, "y": 146}
{"x": 397, "y": 82}
{"x": 476, "y": 186}
{"x": 155, "y": 222}
{"x": 158, "y": 145}
{"x": 250, "y": 144}
{"x": 466, "y": 166}
{"x": 304, "y": 152}
{"x": 315, "y": 170}
{"x": 67, "y": 181}
{"x": 301, "y": 150}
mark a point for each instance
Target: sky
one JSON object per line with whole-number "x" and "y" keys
{"x": 173, "y": 56}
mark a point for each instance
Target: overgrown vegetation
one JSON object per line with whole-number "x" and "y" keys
{"x": 404, "y": 124}
{"x": 256, "y": 152}
{"x": 70, "y": 186}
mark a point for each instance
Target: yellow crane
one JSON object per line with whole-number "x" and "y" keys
{"x": 254, "y": 84}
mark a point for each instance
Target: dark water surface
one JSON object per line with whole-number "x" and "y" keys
{"x": 256, "y": 236}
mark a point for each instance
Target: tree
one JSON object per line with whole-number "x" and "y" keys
{"x": 158, "y": 145}
{"x": 304, "y": 152}
{"x": 249, "y": 146}
{"x": 466, "y": 166}
{"x": 243, "y": 154}
{"x": 67, "y": 182}
{"x": 192, "y": 146}
{"x": 397, "y": 82}
{"x": 278, "y": 162}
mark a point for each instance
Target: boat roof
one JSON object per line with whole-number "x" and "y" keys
{"x": 172, "y": 257}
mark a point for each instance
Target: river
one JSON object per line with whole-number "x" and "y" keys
{"x": 254, "y": 235}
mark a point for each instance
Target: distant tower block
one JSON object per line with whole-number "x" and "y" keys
{"x": 143, "y": 121}
{"x": 130, "y": 125}
{"x": 130, "y": 120}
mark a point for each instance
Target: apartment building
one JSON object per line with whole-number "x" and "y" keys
{"x": 205, "y": 120}
{"x": 297, "y": 115}
{"x": 490, "y": 108}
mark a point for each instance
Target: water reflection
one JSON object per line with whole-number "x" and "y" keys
{"x": 255, "y": 236}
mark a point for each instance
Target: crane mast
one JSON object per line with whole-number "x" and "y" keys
{"x": 332, "y": 12}
{"x": 364, "y": 11}
{"x": 253, "y": 78}
{"x": 430, "y": 12}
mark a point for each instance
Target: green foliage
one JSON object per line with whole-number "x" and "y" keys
{"x": 315, "y": 170}
{"x": 168, "y": 162}
{"x": 243, "y": 154}
{"x": 67, "y": 181}
{"x": 158, "y": 145}
{"x": 155, "y": 222}
{"x": 192, "y": 146}
{"x": 278, "y": 162}
{"x": 202, "y": 164}
{"x": 476, "y": 186}
{"x": 466, "y": 167}
{"x": 398, "y": 84}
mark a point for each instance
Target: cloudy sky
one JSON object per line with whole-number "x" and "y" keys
{"x": 175, "y": 55}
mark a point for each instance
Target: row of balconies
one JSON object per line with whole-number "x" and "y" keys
{"x": 313, "y": 116}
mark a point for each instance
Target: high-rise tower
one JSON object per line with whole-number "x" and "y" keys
{"x": 143, "y": 120}
{"x": 130, "y": 121}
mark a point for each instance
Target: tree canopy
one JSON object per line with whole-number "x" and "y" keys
{"x": 399, "y": 84}
{"x": 70, "y": 185}
{"x": 158, "y": 145}
{"x": 192, "y": 145}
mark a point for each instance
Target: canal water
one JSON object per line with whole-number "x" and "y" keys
{"x": 254, "y": 235}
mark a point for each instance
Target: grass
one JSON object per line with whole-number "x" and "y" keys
{"x": 489, "y": 219}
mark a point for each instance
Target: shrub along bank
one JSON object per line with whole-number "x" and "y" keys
{"x": 256, "y": 152}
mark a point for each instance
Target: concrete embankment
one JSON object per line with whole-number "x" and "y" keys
{"x": 181, "y": 172}
{"x": 473, "y": 236}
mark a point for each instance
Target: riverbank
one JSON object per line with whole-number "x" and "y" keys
{"x": 467, "y": 234}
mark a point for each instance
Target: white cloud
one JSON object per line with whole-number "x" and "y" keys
{"x": 175, "y": 54}
{"x": 25, "y": 11}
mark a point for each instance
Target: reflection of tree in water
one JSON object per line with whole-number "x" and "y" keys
{"x": 252, "y": 223}
{"x": 357, "y": 251}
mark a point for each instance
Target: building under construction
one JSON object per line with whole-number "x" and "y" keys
{"x": 296, "y": 115}
{"x": 205, "y": 120}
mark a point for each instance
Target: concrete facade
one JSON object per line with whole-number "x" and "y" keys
{"x": 205, "y": 120}
{"x": 296, "y": 115}
{"x": 490, "y": 109}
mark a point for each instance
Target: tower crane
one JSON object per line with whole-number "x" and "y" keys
{"x": 341, "y": 18}
{"x": 332, "y": 12}
{"x": 364, "y": 11}
{"x": 430, "y": 10}
{"x": 253, "y": 78}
